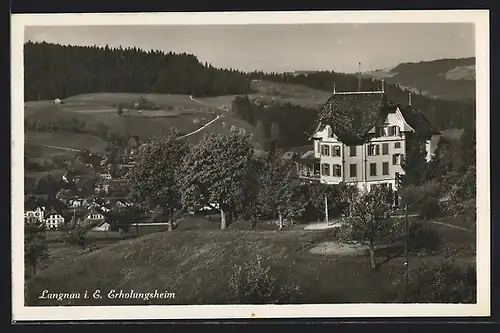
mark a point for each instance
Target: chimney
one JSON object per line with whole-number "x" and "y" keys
{"x": 409, "y": 98}
{"x": 383, "y": 85}
{"x": 359, "y": 76}
{"x": 334, "y": 88}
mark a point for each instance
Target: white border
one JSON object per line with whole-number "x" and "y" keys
{"x": 481, "y": 20}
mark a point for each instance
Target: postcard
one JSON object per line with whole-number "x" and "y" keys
{"x": 250, "y": 165}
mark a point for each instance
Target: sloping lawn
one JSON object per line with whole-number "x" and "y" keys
{"x": 197, "y": 265}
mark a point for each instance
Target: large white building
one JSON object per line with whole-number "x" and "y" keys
{"x": 361, "y": 138}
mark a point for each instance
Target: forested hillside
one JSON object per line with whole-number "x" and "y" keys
{"x": 52, "y": 71}
{"x": 442, "y": 113}
{"x": 451, "y": 79}
{"x": 55, "y": 71}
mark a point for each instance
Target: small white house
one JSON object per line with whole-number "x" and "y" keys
{"x": 103, "y": 226}
{"x": 53, "y": 220}
{"x": 37, "y": 214}
{"x": 57, "y": 101}
{"x": 105, "y": 176}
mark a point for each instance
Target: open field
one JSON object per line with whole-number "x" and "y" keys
{"x": 65, "y": 139}
{"x": 108, "y": 99}
{"x": 195, "y": 263}
{"x": 142, "y": 126}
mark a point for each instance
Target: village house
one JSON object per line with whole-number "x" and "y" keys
{"x": 105, "y": 176}
{"x": 94, "y": 216}
{"x": 361, "y": 139}
{"x": 53, "y": 219}
{"x": 33, "y": 210}
{"x": 102, "y": 226}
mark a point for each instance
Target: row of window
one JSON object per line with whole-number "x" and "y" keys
{"x": 335, "y": 151}
{"x": 388, "y": 131}
{"x": 373, "y": 149}
{"x": 337, "y": 168}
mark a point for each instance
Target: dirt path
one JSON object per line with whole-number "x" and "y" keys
{"x": 197, "y": 101}
{"x": 452, "y": 226}
{"x": 201, "y": 128}
{"x": 57, "y": 147}
{"x": 207, "y": 124}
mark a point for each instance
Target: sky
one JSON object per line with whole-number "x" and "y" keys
{"x": 282, "y": 47}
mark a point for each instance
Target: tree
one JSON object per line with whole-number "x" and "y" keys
{"x": 35, "y": 245}
{"x": 77, "y": 233}
{"x": 368, "y": 212}
{"x": 119, "y": 109}
{"x": 214, "y": 173}
{"x": 414, "y": 163}
{"x": 132, "y": 143}
{"x": 250, "y": 206}
{"x": 281, "y": 193}
{"x": 275, "y": 134}
{"x": 154, "y": 179}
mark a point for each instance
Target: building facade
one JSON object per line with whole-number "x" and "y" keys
{"x": 54, "y": 220}
{"x": 361, "y": 138}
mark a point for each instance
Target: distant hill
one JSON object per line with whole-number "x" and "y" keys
{"x": 450, "y": 79}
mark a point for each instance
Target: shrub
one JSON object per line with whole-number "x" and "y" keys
{"x": 253, "y": 283}
{"x": 423, "y": 199}
{"x": 446, "y": 283}
{"x": 421, "y": 237}
{"x": 430, "y": 208}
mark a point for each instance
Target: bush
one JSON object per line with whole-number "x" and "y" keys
{"x": 421, "y": 237}
{"x": 253, "y": 283}
{"x": 446, "y": 283}
{"x": 430, "y": 208}
{"x": 423, "y": 199}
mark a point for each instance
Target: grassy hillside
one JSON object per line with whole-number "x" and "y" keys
{"x": 100, "y": 109}
{"x": 451, "y": 79}
{"x": 197, "y": 265}
{"x": 65, "y": 140}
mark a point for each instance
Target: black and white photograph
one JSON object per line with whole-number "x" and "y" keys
{"x": 250, "y": 165}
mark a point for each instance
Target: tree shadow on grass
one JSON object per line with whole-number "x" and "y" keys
{"x": 389, "y": 252}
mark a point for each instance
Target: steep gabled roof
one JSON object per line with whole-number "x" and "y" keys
{"x": 352, "y": 115}
{"x": 418, "y": 121}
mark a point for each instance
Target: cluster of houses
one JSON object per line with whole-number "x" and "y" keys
{"x": 87, "y": 192}
{"x": 54, "y": 213}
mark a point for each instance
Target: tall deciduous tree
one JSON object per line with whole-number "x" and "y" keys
{"x": 35, "y": 245}
{"x": 281, "y": 194}
{"x": 414, "y": 163}
{"x": 215, "y": 172}
{"x": 154, "y": 178}
{"x": 367, "y": 214}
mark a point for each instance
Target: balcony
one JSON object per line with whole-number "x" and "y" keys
{"x": 309, "y": 175}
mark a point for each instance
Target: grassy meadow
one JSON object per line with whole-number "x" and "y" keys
{"x": 196, "y": 260}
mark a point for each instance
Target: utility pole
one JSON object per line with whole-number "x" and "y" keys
{"x": 406, "y": 245}
{"x": 326, "y": 209}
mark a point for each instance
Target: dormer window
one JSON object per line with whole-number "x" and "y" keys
{"x": 393, "y": 130}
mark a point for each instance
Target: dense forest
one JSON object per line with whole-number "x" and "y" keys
{"x": 53, "y": 70}
{"x": 276, "y": 127}
{"x": 442, "y": 113}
